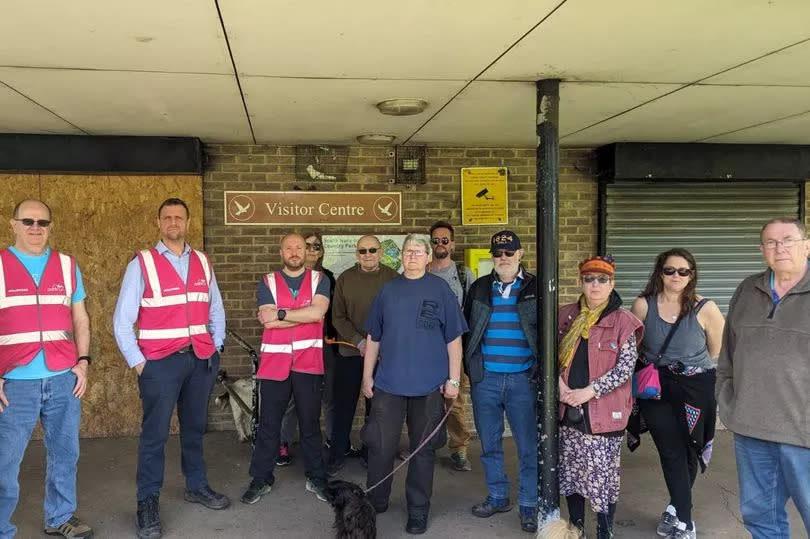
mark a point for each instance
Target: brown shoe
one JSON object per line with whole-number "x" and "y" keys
{"x": 72, "y": 528}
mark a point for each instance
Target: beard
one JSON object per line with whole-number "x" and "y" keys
{"x": 294, "y": 264}
{"x": 441, "y": 255}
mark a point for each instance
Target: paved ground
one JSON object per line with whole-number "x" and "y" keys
{"x": 106, "y": 497}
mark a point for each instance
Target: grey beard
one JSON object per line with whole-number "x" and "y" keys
{"x": 442, "y": 255}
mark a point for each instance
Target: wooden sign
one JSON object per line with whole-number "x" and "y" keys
{"x": 484, "y": 196}
{"x": 312, "y": 208}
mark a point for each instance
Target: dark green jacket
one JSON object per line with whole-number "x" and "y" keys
{"x": 478, "y": 308}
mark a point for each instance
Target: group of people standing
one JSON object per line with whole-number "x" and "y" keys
{"x": 399, "y": 342}
{"x": 403, "y": 341}
{"x": 754, "y": 364}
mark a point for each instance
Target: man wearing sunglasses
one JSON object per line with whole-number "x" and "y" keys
{"x": 44, "y": 347}
{"x": 460, "y": 278}
{"x": 171, "y": 294}
{"x": 762, "y": 378}
{"x": 500, "y": 357}
{"x": 354, "y": 291}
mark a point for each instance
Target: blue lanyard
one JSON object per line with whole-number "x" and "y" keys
{"x": 774, "y": 295}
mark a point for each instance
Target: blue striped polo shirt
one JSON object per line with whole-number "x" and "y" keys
{"x": 505, "y": 346}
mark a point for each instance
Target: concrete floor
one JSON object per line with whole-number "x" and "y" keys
{"x": 107, "y": 496}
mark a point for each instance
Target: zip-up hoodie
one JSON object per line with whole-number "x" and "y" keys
{"x": 763, "y": 375}
{"x": 477, "y": 310}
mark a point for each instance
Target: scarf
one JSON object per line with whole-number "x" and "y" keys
{"x": 580, "y": 328}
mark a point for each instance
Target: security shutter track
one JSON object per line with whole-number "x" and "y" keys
{"x": 718, "y": 223}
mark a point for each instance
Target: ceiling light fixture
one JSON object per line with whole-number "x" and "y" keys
{"x": 376, "y": 139}
{"x": 402, "y": 106}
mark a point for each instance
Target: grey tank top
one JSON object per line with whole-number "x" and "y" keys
{"x": 688, "y": 344}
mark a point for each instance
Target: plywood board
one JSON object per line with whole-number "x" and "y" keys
{"x": 102, "y": 221}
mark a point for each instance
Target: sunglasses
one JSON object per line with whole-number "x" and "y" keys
{"x": 498, "y": 254}
{"x": 437, "y": 241}
{"x": 27, "y": 221}
{"x": 601, "y": 279}
{"x": 683, "y": 272}
{"x": 371, "y": 250}
{"x": 314, "y": 246}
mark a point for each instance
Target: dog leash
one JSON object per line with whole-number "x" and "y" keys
{"x": 415, "y": 451}
{"x": 327, "y": 340}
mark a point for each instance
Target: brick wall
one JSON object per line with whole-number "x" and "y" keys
{"x": 240, "y": 254}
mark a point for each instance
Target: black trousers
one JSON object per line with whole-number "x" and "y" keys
{"x": 275, "y": 395}
{"x": 347, "y": 378}
{"x": 179, "y": 380}
{"x": 678, "y": 461}
{"x": 381, "y": 434}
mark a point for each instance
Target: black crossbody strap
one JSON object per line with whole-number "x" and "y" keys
{"x": 669, "y": 337}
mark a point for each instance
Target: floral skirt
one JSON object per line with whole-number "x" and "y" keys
{"x": 590, "y": 467}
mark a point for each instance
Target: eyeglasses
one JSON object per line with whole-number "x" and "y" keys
{"x": 601, "y": 279}
{"x": 413, "y": 252}
{"x": 787, "y": 243}
{"x": 437, "y": 241}
{"x": 371, "y": 250}
{"x": 498, "y": 254}
{"x": 27, "y": 221}
{"x": 314, "y": 246}
{"x": 683, "y": 272}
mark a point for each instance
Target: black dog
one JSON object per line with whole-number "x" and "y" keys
{"x": 355, "y": 517}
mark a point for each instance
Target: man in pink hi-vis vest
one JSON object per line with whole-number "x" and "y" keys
{"x": 44, "y": 346}
{"x": 170, "y": 293}
{"x": 292, "y": 303}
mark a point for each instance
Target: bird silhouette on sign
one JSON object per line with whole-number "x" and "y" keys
{"x": 316, "y": 174}
{"x": 241, "y": 209}
{"x": 483, "y": 193}
{"x": 386, "y": 210}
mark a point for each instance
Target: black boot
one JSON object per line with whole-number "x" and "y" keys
{"x": 604, "y": 525}
{"x": 148, "y": 519}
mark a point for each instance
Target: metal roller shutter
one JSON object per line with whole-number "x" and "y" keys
{"x": 718, "y": 223}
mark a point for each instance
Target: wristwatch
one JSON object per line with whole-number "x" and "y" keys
{"x": 88, "y": 359}
{"x": 455, "y": 383}
{"x": 282, "y": 314}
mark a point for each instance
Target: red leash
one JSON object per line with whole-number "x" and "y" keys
{"x": 415, "y": 451}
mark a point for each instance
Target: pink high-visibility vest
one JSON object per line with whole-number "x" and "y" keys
{"x": 174, "y": 314}
{"x": 37, "y": 317}
{"x": 298, "y": 348}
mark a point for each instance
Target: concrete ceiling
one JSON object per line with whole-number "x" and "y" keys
{"x": 283, "y": 71}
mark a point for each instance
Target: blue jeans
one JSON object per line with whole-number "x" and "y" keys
{"x": 769, "y": 474}
{"x": 50, "y": 400}
{"x": 515, "y": 394}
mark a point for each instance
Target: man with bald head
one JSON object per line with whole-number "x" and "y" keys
{"x": 44, "y": 347}
{"x": 354, "y": 292}
{"x": 292, "y": 304}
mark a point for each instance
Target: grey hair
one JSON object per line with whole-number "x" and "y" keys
{"x": 417, "y": 239}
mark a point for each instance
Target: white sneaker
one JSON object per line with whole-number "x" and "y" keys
{"x": 682, "y": 533}
{"x": 668, "y": 523}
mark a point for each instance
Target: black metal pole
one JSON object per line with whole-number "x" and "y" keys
{"x": 547, "y": 239}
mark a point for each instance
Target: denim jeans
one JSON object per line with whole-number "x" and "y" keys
{"x": 769, "y": 474}
{"x": 50, "y": 400}
{"x": 516, "y": 395}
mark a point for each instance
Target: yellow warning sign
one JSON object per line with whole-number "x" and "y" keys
{"x": 484, "y": 196}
